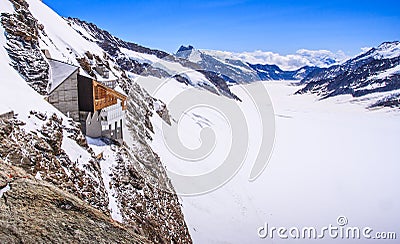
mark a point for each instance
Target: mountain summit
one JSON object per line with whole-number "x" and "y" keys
{"x": 184, "y": 48}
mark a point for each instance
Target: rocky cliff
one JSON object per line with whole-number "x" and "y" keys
{"x": 57, "y": 159}
{"x": 35, "y": 211}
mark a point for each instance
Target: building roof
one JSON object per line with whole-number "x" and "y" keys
{"x": 59, "y": 72}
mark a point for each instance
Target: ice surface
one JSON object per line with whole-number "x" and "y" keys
{"x": 331, "y": 158}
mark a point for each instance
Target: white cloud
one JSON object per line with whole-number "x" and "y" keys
{"x": 295, "y": 61}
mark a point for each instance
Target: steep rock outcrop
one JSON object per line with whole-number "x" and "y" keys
{"x": 35, "y": 211}
{"x": 40, "y": 154}
{"x": 23, "y": 45}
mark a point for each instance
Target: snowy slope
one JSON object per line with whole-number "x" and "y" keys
{"x": 173, "y": 68}
{"x": 386, "y": 50}
{"x": 109, "y": 162}
{"x": 331, "y": 158}
{"x": 17, "y": 95}
{"x": 62, "y": 41}
{"x": 6, "y": 6}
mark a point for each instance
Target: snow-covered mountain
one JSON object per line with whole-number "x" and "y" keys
{"x": 233, "y": 70}
{"x": 126, "y": 187}
{"x": 374, "y": 74}
{"x": 134, "y": 60}
{"x": 238, "y": 69}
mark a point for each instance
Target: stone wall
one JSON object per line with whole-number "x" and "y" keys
{"x": 65, "y": 97}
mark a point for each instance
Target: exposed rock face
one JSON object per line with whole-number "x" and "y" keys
{"x": 147, "y": 202}
{"x": 148, "y": 199}
{"x": 219, "y": 81}
{"x": 183, "y": 50}
{"x": 372, "y": 72}
{"x": 392, "y": 101}
{"x": 40, "y": 154}
{"x": 85, "y": 65}
{"x": 23, "y": 46}
{"x": 34, "y": 211}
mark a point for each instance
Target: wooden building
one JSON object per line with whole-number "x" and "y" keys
{"x": 96, "y": 99}
{"x": 86, "y": 101}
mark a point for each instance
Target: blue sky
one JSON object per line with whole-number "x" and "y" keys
{"x": 281, "y": 26}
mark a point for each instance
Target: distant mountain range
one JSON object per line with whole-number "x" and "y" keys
{"x": 237, "y": 70}
{"x": 376, "y": 71}
{"x": 325, "y": 74}
{"x": 297, "y": 60}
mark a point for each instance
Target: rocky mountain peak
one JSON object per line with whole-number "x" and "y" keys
{"x": 185, "y": 48}
{"x": 388, "y": 45}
